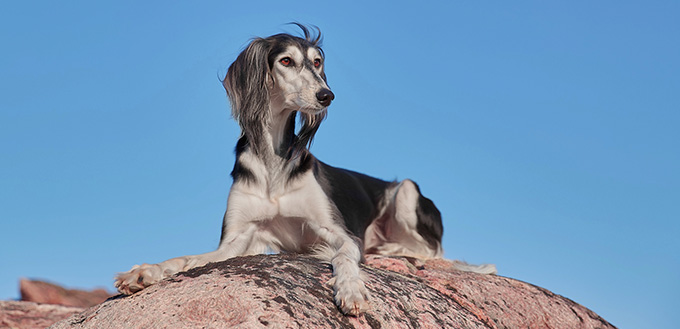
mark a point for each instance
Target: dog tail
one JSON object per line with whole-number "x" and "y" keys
{"x": 481, "y": 269}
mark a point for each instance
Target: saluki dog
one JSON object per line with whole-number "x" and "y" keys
{"x": 285, "y": 200}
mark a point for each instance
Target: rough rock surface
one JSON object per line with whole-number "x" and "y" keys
{"x": 498, "y": 301}
{"x": 49, "y": 293}
{"x": 290, "y": 291}
{"x": 28, "y": 315}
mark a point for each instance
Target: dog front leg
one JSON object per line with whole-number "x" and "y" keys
{"x": 142, "y": 276}
{"x": 349, "y": 290}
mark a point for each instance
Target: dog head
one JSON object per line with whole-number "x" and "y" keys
{"x": 281, "y": 73}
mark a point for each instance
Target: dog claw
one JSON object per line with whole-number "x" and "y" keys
{"x": 137, "y": 278}
{"x": 351, "y": 296}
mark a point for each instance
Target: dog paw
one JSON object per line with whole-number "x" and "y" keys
{"x": 351, "y": 296}
{"x": 138, "y": 278}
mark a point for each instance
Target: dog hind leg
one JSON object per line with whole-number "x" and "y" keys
{"x": 409, "y": 226}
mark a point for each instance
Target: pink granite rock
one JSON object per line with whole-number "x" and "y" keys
{"x": 290, "y": 291}
{"x": 49, "y": 293}
{"x": 28, "y": 315}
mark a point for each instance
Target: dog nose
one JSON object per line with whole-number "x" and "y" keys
{"x": 325, "y": 97}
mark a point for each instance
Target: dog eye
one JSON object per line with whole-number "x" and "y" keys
{"x": 286, "y": 61}
{"x": 317, "y": 62}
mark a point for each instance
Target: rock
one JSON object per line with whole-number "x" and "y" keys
{"x": 498, "y": 301}
{"x": 49, "y": 293}
{"x": 34, "y": 309}
{"x": 28, "y": 315}
{"x": 290, "y": 291}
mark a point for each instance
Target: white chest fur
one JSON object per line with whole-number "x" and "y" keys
{"x": 278, "y": 210}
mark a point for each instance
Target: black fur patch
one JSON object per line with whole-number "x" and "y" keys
{"x": 355, "y": 195}
{"x": 241, "y": 172}
{"x": 429, "y": 220}
{"x": 304, "y": 163}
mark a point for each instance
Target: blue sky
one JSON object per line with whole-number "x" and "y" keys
{"x": 546, "y": 133}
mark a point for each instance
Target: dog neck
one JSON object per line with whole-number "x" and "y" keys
{"x": 273, "y": 139}
{"x": 282, "y": 132}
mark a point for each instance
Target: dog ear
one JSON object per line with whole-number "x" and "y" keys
{"x": 246, "y": 84}
{"x": 309, "y": 125}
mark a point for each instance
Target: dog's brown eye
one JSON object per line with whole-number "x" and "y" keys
{"x": 285, "y": 61}
{"x": 317, "y": 62}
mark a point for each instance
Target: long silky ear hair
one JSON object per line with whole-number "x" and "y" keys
{"x": 246, "y": 85}
{"x": 309, "y": 125}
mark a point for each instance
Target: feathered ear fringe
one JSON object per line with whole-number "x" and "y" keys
{"x": 246, "y": 86}
{"x": 309, "y": 125}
